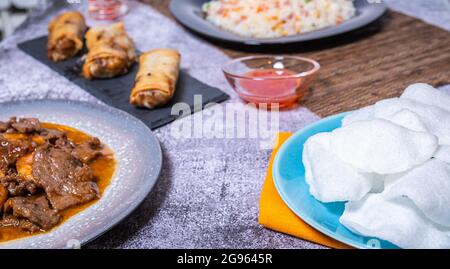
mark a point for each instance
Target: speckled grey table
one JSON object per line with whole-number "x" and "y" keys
{"x": 208, "y": 192}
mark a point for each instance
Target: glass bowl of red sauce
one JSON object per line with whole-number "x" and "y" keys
{"x": 280, "y": 81}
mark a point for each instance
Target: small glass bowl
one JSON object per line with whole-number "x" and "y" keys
{"x": 272, "y": 80}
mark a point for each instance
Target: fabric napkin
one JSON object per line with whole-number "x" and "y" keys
{"x": 276, "y": 215}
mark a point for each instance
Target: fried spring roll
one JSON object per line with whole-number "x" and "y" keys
{"x": 156, "y": 79}
{"x": 111, "y": 52}
{"x": 65, "y": 37}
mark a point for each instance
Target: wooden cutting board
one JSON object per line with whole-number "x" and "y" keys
{"x": 367, "y": 65}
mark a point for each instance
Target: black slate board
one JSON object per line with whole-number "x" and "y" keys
{"x": 116, "y": 91}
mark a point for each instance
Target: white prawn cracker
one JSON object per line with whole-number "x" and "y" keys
{"x": 428, "y": 186}
{"x": 443, "y": 154}
{"x": 427, "y": 94}
{"x": 435, "y": 119}
{"x": 363, "y": 114}
{"x": 408, "y": 119}
{"x": 403, "y": 117}
{"x": 431, "y": 105}
{"x": 329, "y": 178}
{"x": 380, "y": 146}
{"x": 394, "y": 220}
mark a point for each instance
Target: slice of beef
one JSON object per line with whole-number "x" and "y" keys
{"x": 18, "y": 186}
{"x": 10, "y": 151}
{"x": 64, "y": 143}
{"x": 36, "y": 209}
{"x": 51, "y": 135}
{"x": 65, "y": 179}
{"x": 4, "y": 126}
{"x": 24, "y": 224}
{"x": 26, "y": 125}
{"x": 88, "y": 151}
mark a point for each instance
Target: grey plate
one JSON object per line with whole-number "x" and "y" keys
{"x": 189, "y": 13}
{"x": 139, "y": 162}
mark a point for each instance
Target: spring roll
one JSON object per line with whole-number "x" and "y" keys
{"x": 111, "y": 51}
{"x": 156, "y": 79}
{"x": 65, "y": 38}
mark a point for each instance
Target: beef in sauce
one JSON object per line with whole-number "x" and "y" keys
{"x": 45, "y": 173}
{"x": 66, "y": 180}
{"x": 34, "y": 209}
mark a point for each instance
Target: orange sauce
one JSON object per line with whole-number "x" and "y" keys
{"x": 103, "y": 169}
{"x": 271, "y": 86}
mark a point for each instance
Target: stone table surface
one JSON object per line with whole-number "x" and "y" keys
{"x": 208, "y": 192}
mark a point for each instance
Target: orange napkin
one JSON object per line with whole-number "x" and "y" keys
{"x": 276, "y": 215}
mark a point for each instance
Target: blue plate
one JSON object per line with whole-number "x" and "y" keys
{"x": 289, "y": 178}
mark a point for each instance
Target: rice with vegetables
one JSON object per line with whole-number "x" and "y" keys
{"x": 277, "y": 18}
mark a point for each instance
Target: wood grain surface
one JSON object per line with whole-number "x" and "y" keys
{"x": 364, "y": 66}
